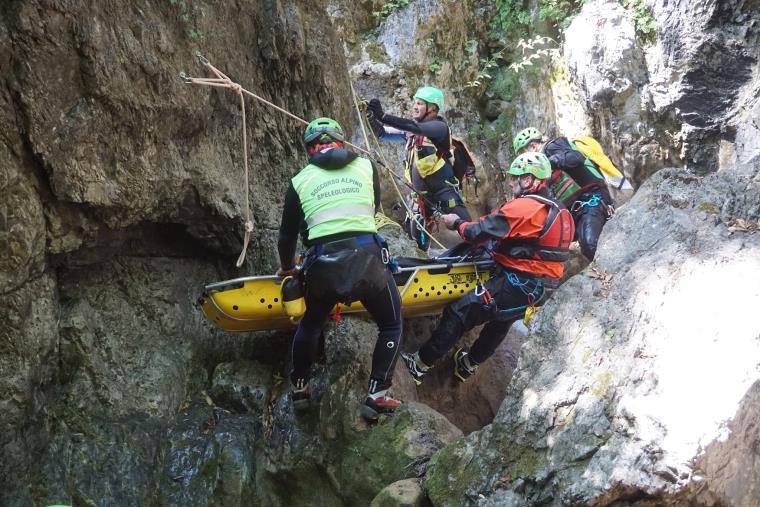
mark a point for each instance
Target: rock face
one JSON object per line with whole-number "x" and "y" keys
{"x": 609, "y": 68}
{"x": 122, "y": 194}
{"x": 632, "y": 368}
{"x": 117, "y": 183}
{"x": 680, "y": 100}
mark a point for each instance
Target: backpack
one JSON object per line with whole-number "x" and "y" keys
{"x": 463, "y": 162}
{"x": 591, "y": 148}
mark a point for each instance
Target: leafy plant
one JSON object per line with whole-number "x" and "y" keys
{"x": 643, "y": 20}
{"x": 559, "y": 12}
{"x": 488, "y": 66}
{"x": 529, "y": 52}
{"x": 534, "y": 50}
{"x": 510, "y": 15}
{"x": 390, "y": 7}
{"x": 435, "y": 67}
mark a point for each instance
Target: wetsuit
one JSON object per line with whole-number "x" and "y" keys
{"x": 533, "y": 234}
{"x": 428, "y": 164}
{"x": 588, "y": 200}
{"x": 332, "y": 202}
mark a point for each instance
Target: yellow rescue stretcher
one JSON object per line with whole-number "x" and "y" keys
{"x": 255, "y": 303}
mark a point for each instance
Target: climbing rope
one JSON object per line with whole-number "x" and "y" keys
{"x": 223, "y": 81}
{"x": 381, "y": 220}
{"x": 393, "y": 176}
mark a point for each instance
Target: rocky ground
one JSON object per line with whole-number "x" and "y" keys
{"x": 122, "y": 194}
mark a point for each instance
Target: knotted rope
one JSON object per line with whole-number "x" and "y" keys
{"x": 223, "y": 81}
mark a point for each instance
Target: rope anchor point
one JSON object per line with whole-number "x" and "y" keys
{"x": 201, "y": 58}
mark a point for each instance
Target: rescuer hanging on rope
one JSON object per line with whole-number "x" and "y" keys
{"x": 428, "y": 153}
{"x": 332, "y": 203}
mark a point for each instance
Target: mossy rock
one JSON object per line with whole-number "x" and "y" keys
{"x": 405, "y": 493}
{"x": 397, "y": 447}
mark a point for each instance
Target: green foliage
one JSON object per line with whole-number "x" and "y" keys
{"x": 188, "y": 13}
{"x": 435, "y": 67}
{"x": 505, "y": 84}
{"x": 501, "y": 125}
{"x": 389, "y": 8}
{"x": 488, "y": 65}
{"x": 371, "y": 35}
{"x": 528, "y": 53}
{"x": 643, "y": 20}
{"x": 559, "y": 12}
{"x": 534, "y": 50}
{"x": 510, "y": 15}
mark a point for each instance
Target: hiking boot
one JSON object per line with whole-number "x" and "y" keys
{"x": 416, "y": 367}
{"x": 301, "y": 394}
{"x": 378, "y": 402}
{"x": 464, "y": 367}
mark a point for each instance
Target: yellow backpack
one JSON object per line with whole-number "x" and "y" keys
{"x": 591, "y": 148}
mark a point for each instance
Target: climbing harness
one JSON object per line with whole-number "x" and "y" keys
{"x": 534, "y": 295}
{"x": 591, "y": 203}
{"x": 384, "y": 163}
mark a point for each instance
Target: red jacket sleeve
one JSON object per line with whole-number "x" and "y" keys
{"x": 518, "y": 218}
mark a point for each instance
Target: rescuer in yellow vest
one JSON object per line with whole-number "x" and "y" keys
{"x": 332, "y": 203}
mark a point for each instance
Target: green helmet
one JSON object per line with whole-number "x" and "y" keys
{"x": 531, "y": 163}
{"x": 431, "y": 95}
{"x": 323, "y": 126}
{"x": 524, "y": 137}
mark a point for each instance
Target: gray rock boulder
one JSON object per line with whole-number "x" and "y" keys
{"x": 684, "y": 99}
{"x": 632, "y": 368}
{"x": 608, "y": 65}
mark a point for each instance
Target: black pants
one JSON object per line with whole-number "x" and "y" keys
{"x": 512, "y": 293}
{"x": 589, "y": 222}
{"x": 383, "y": 304}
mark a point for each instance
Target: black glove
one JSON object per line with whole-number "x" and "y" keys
{"x": 375, "y": 109}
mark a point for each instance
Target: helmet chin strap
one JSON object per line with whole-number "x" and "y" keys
{"x": 534, "y": 186}
{"x": 427, "y": 111}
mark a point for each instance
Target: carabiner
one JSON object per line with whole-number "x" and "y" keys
{"x": 201, "y": 58}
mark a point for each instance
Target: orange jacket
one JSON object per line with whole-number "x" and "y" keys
{"x": 532, "y": 232}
